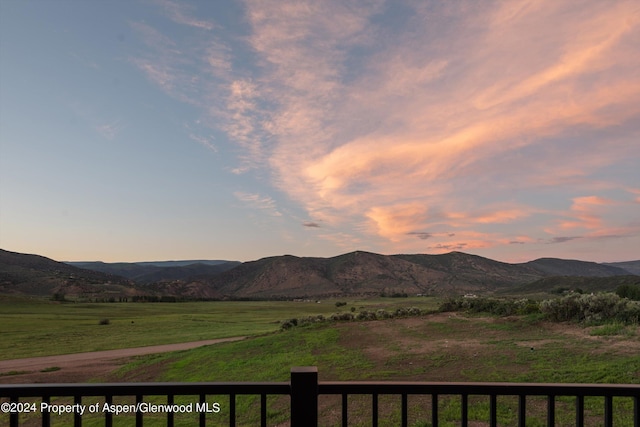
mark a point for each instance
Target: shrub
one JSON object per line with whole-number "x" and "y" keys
{"x": 383, "y": 314}
{"x": 286, "y": 325}
{"x": 450, "y": 304}
{"x": 414, "y": 311}
{"x": 104, "y": 322}
{"x": 366, "y": 315}
{"x": 498, "y": 307}
{"x": 591, "y": 308}
{"x": 342, "y": 316}
{"x": 629, "y": 291}
{"x": 58, "y": 296}
{"x": 401, "y": 312}
{"x": 340, "y": 303}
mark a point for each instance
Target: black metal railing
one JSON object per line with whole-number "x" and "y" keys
{"x": 490, "y": 390}
{"x": 304, "y": 390}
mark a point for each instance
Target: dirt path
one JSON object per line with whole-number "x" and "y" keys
{"x": 81, "y": 366}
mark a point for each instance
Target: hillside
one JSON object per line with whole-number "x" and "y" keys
{"x": 38, "y": 275}
{"x": 559, "y": 284}
{"x": 362, "y": 273}
{"x": 288, "y": 276}
{"x": 152, "y": 272}
{"x": 633, "y": 267}
{"x": 569, "y": 267}
{"x": 471, "y": 271}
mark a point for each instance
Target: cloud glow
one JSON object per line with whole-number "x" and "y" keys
{"x": 508, "y": 129}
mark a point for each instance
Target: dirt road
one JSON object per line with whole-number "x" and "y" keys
{"x": 79, "y": 367}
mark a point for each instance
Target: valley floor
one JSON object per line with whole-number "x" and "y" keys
{"x": 80, "y": 367}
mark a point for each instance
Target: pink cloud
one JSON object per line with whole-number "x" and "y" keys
{"x": 502, "y": 216}
{"x": 586, "y": 213}
{"x": 182, "y": 13}
{"x": 459, "y": 111}
{"x": 397, "y": 221}
{"x": 257, "y": 201}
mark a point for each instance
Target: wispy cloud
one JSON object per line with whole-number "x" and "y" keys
{"x": 109, "y": 130}
{"x": 182, "y": 13}
{"x": 421, "y": 122}
{"x": 257, "y": 201}
{"x": 421, "y": 235}
{"x": 585, "y": 213}
{"x": 562, "y": 239}
{"x": 438, "y": 122}
{"x": 204, "y": 141}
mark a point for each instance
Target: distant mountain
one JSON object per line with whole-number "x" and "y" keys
{"x": 363, "y": 273}
{"x": 184, "y": 263}
{"x": 287, "y": 276}
{"x": 159, "y": 271}
{"x": 463, "y": 270}
{"x": 37, "y": 275}
{"x": 559, "y": 284}
{"x": 568, "y": 267}
{"x": 360, "y": 273}
{"x": 633, "y": 267}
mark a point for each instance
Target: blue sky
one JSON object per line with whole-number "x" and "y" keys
{"x": 158, "y": 129}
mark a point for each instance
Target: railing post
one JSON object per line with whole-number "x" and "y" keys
{"x": 304, "y": 396}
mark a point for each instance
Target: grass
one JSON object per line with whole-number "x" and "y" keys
{"x": 32, "y": 328}
{"x": 450, "y": 349}
{"x": 613, "y": 328}
{"x": 265, "y": 358}
{"x": 443, "y": 347}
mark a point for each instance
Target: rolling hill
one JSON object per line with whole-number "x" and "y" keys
{"x": 633, "y": 267}
{"x": 569, "y": 267}
{"x": 364, "y": 273}
{"x": 559, "y": 284}
{"x": 160, "y": 271}
{"x": 288, "y": 276}
{"x": 37, "y": 275}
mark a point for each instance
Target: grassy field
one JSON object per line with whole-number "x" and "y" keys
{"x": 434, "y": 347}
{"x": 438, "y": 347}
{"x": 32, "y": 327}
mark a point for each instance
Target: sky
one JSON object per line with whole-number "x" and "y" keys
{"x": 161, "y": 129}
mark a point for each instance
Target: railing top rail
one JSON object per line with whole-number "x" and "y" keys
{"x": 150, "y": 389}
{"x": 324, "y": 387}
{"x": 502, "y": 388}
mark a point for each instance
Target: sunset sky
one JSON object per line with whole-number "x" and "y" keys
{"x": 157, "y": 129}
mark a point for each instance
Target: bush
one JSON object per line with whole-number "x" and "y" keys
{"x": 383, "y": 314}
{"x": 363, "y": 315}
{"x": 495, "y": 306}
{"x": 366, "y": 315}
{"x": 629, "y": 291}
{"x": 401, "y": 312}
{"x": 414, "y": 311}
{"x": 341, "y": 316}
{"x": 594, "y": 309}
{"x": 340, "y": 304}
{"x": 104, "y": 322}
{"x": 59, "y": 296}
{"x": 287, "y": 325}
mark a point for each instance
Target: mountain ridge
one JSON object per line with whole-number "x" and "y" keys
{"x": 289, "y": 276}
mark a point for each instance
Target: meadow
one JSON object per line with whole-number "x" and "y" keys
{"x": 38, "y": 327}
{"x": 430, "y": 347}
